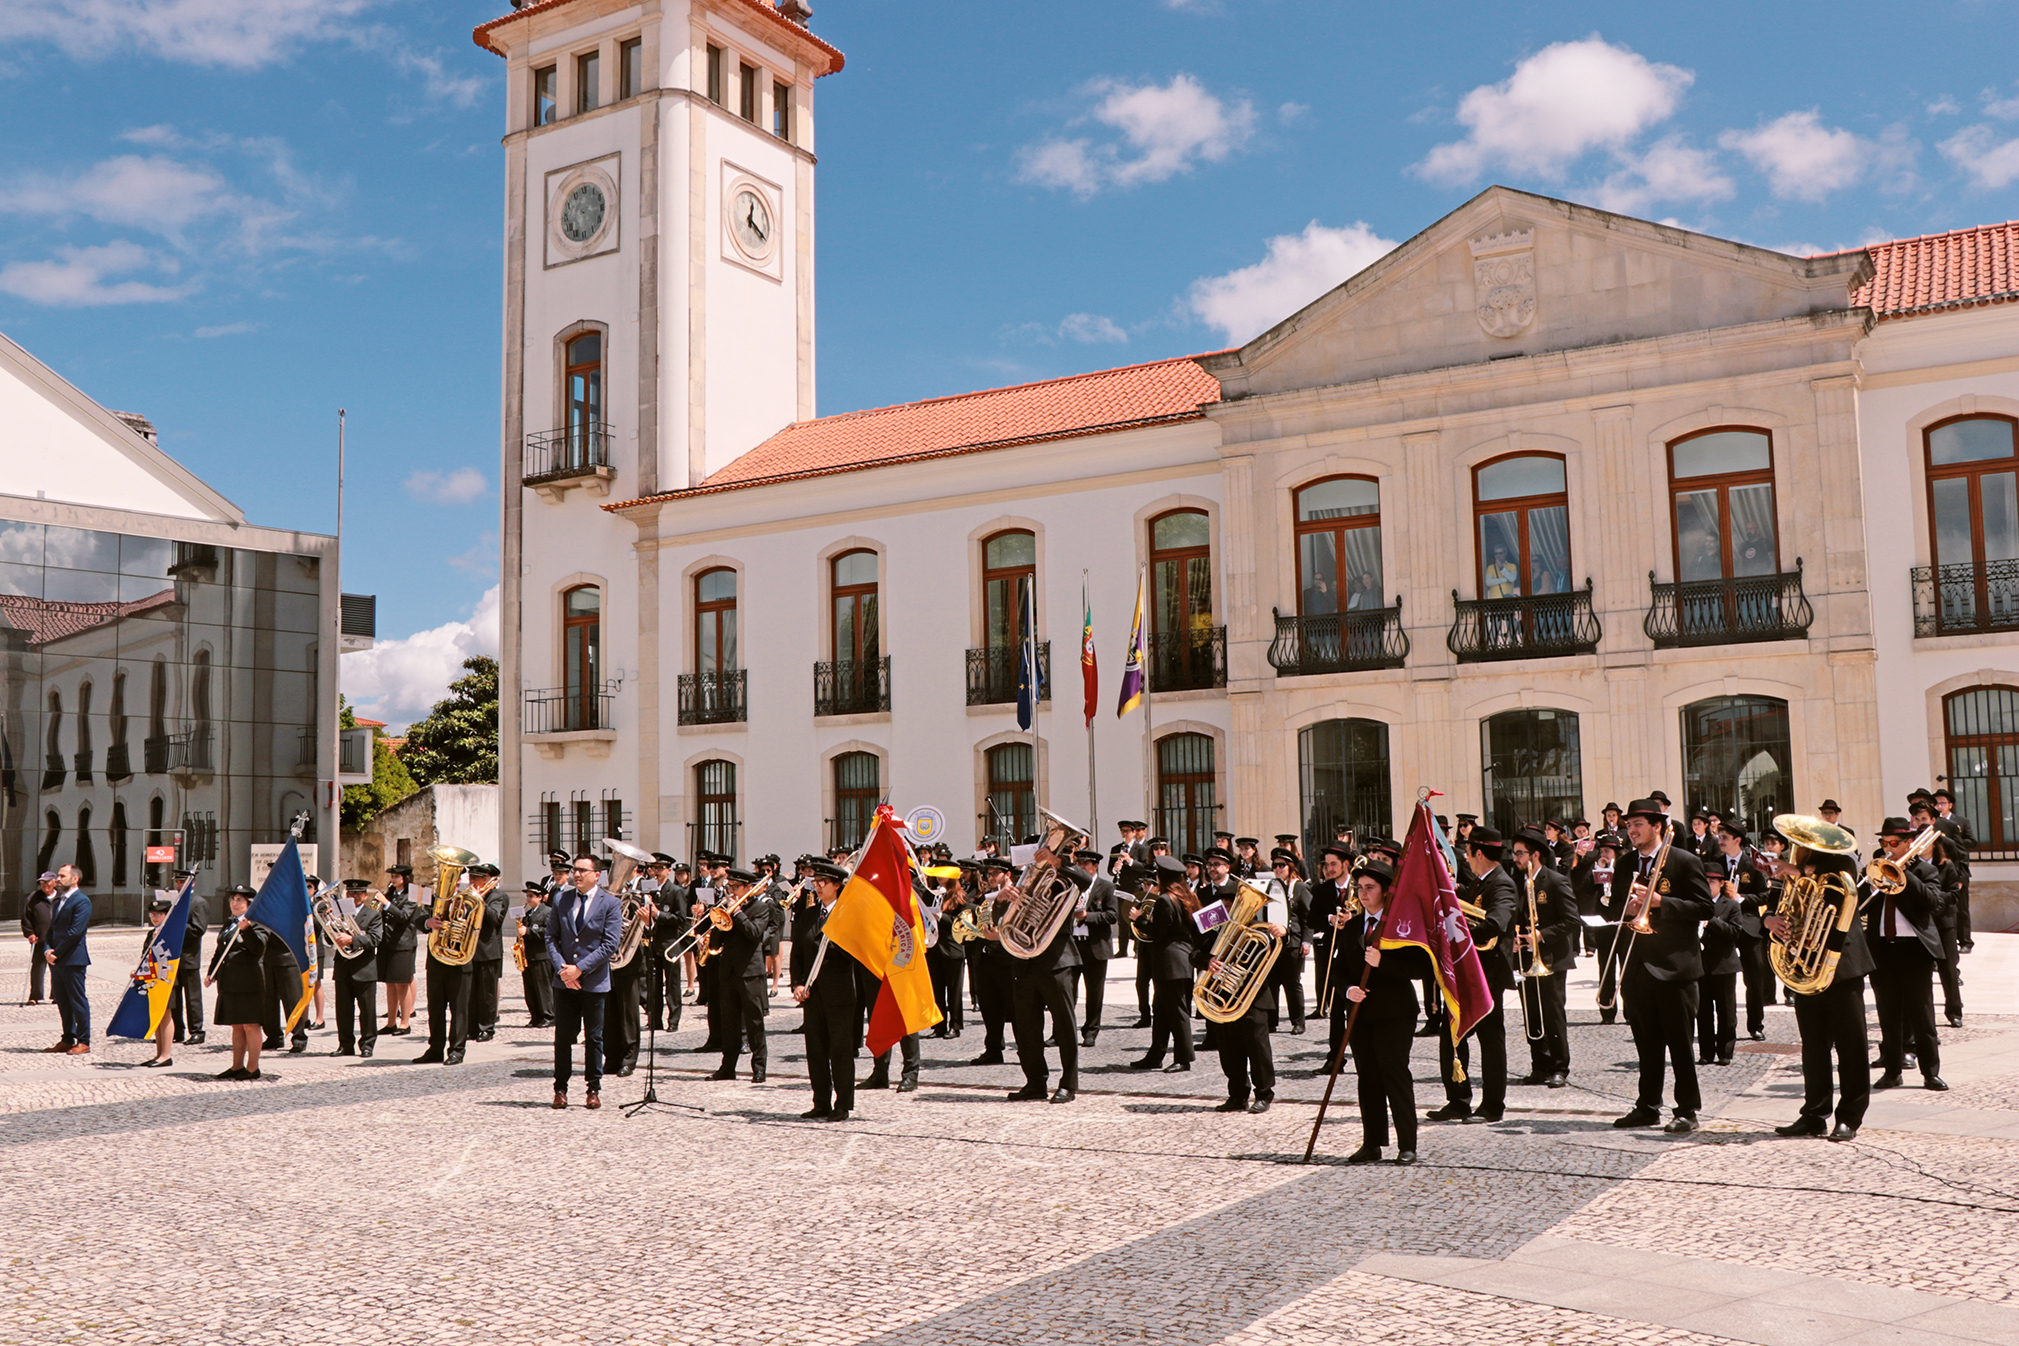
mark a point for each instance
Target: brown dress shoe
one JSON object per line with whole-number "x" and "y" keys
{"x": 595, "y": 1101}
{"x": 560, "y": 1100}
{"x": 79, "y": 1050}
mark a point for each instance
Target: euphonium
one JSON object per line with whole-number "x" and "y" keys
{"x": 1044, "y": 899}
{"x": 1246, "y": 953}
{"x": 625, "y": 862}
{"x": 460, "y": 912}
{"x": 1889, "y": 876}
{"x": 333, "y": 920}
{"x": 975, "y": 920}
{"x": 1813, "y": 905}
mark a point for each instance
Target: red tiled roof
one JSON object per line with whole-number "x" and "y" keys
{"x": 48, "y": 619}
{"x": 1959, "y": 269}
{"x": 481, "y": 34}
{"x": 997, "y": 418}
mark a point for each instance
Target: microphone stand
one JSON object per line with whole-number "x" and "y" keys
{"x": 651, "y": 1098}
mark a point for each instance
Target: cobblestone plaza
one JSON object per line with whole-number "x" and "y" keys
{"x": 374, "y": 1200}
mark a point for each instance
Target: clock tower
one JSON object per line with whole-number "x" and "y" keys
{"x": 658, "y": 322}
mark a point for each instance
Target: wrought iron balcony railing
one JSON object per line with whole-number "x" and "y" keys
{"x": 154, "y": 754}
{"x": 714, "y": 698}
{"x": 1544, "y": 626}
{"x": 83, "y": 765}
{"x": 1959, "y": 600}
{"x": 53, "y": 771}
{"x": 993, "y": 674}
{"x": 189, "y": 752}
{"x": 1728, "y": 611}
{"x": 571, "y": 451}
{"x": 1340, "y": 642}
{"x": 563, "y": 710}
{"x": 851, "y": 686}
{"x": 118, "y": 762}
{"x": 1185, "y": 661}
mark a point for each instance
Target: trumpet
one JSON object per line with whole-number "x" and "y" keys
{"x": 1889, "y": 876}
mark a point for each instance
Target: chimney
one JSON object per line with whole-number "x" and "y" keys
{"x": 798, "y": 11}
{"x": 139, "y": 424}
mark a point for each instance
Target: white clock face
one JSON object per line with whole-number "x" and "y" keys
{"x": 751, "y": 219}
{"x": 582, "y": 213}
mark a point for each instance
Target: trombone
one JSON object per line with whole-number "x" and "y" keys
{"x": 1641, "y": 924}
{"x": 1536, "y": 968}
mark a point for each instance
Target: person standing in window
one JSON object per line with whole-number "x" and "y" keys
{"x": 1503, "y": 580}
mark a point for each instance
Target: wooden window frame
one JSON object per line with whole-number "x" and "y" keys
{"x": 1991, "y": 843}
{"x": 713, "y": 608}
{"x": 1179, "y": 556}
{"x": 550, "y": 76}
{"x": 584, "y": 714}
{"x": 1303, "y": 528}
{"x": 1973, "y": 472}
{"x": 993, "y": 786}
{"x": 1520, "y": 505}
{"x": 1190, "y": 782}
{"x": 1020, "y": 575}
{"x": 781, "y": 110}
{"x": 749, "y": 91}
{"x": 837, "y": 590}
{"x": 630, "y": 82}
{"x": 716, "y": 94}
{"x": 864, "y": 798}
{"x": 1722, "y": 482}
{"x": 710, "y": 833}
{"x": 588, "y": 81}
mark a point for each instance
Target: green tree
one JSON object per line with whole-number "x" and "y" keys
{"x": 390, "y": 781}
{"x": 457, "y": 744}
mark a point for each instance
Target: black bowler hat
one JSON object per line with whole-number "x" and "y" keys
{"x": 1658, "y": 796}
{"x": 1898, "y": 827}
{"x": 1488, "y": 840}
{"x": 1345, "y": 855}
{"x": 1654, "y": 808}
{"x": 1610, "y": 807}
{"x": 1532, "y": 838}
{"x": 1829, "y": 806}
{"x": 1379, "y": 871}
{"x": 1735, "y": 830}
{"x": 1716, "y": 868}
{"x": 1388, "y": 846}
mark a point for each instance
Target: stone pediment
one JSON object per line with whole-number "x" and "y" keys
{"x": 1509, "y": 273}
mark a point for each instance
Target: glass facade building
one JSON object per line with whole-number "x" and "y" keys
{"x": 153, "y": 693}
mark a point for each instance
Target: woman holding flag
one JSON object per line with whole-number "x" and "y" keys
{"x": 149, "y": 972}
{"x": 1384, "y": 1022}
{"x": 239, "y": 971}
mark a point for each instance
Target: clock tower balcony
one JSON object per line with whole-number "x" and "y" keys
{"x": 557, "y": 461}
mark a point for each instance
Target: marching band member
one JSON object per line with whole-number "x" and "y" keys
{"x": 831, "y": 999}
{"x": 988, "y": 968}
{"x": 238, "y": 969}
{"x": 157, "y": 915}
{"x": 738, "y": 965}
{"x": 1748, "y": 887}
{"x": 537, "y": 979}
{"x": 1165, "y": 919}
{"x": 449, "y": 990}
{"x": 1659, "y": 982}
{"x": 1044, "y": 985}
{"x": 1900, "y": 930}
{"x": 662, "y": 979}
{"x": 947, "y": 958}
{"x": 357, "y": 978}
{"x": 1243, "y": 1043}
{"x": 1094, "y": 932}
{"x": 487, "y": 969}
{"x": 583, "y": 932}
{"x": 1556, "y": 940}
{"x": 185, "y": 1002}
{"x": 622, "y": 1027}
{"x": 1832, "y": 1020}
{"x": 1717, "y": 991}
{"x": 400, "y": 926}
{"x": 1489, "y": 888}
{"x": 1328, "y": 898}
{"x": 1961, "y": 839}
{"x": 1384, "y": 1025}
{"x": 1287, "y": 977}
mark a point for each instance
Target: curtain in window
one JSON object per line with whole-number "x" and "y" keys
{"x": 1549, "y": 550}
{"x": 1361, "y": 571}
{"x": 1753, "y": 530}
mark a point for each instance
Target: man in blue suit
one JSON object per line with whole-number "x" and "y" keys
{"x": 69, "y": 955}
{"x": 583, "y": 933}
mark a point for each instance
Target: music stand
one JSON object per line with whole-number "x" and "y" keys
{"x": 651, "y": 1098}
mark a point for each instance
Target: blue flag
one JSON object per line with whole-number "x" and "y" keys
{"x": 282, "y": 907}
{"x": 1027, "y": 658}
{"x": 147, "y": 995}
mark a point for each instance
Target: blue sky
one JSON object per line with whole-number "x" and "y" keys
{"x": 236, "y": 216}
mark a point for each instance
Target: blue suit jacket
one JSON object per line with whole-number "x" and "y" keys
{"x": 67, "y": 927}
{"x": 591, "y": 951}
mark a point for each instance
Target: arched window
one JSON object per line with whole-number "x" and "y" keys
{"x": 715, "y": 807}
{"x": 582, "y": 656}
{"x": 119, "y": 840}
{"x": 199, "y": 701}
{"x": 1012, "y": 793}
{"x": 1973, "y": 521}
{"x": 854, "y": 596}
{"x": 582, "y": 398}
{"x": 1187, "y": 795}
{"x": 52, "y": 836}
{"x": 155, "y": 749}
{"x": 87, "y": 855}
{"x": 1338, "y": 546}
{"x": 1721, "y": 496}
{"x": 152, "y": 876}
{"x": 1009, "y": 568}
{"x": 1737, "y": 760}
{"x": 84, "y": 733}
{"x": 858, "y": 789}
{"x": 118, "y": 757}
{"x": 1182, "y": 642}
{"x": 1522, "y": 512}
{"x": 1980, "y": 730}
{"x": 715, "y": 621}
{"x": 1342, "y": 768}
{"x": 1533, "y": 769}
{"x": 53, "y": 765}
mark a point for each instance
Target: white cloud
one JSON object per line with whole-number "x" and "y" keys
{"x": 2004, "y": 109}
{"x": 1669, "y": 170}
{"x": 1194, "y": 6}
{"x": 227, "y": 329}
{"x": 80, "y": 278}
{"x": 1292, "y": 113}
{"x": 1945, "y": 106}
{"x": 1165, "y": 129}
{"x": 459, "y": 487}
{"x": 1801, "y": 158}
{"x": 399, "y": 681}
{"x": 1567, "y": 99}
{"x": 1991, "y": 163}
{"x": 244, "y": 34}
{"x": 1091, "y": 328}
{"x": 1298, "y": 269}
{"x": 436, "y": 78}
{"x": 481, "y": 559}
{"x": 156, "y": 193}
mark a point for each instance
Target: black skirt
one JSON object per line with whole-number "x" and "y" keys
{"x": 396, "y": 965}
{"x": 239, "y": 1007}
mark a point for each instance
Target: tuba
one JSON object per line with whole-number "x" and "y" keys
{"x": 1814, "y": 906}
{"x": 460, "y": 912}
{"x": 1246, "y": 954}
{"x": 625, "y": 861}
{"x": 1044, "y": 899}
{"x": 333, "y": 920}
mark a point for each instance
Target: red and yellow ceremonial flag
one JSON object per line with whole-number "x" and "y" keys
{"x": 876, "y": 923}
{"x": 1423, "y": 911}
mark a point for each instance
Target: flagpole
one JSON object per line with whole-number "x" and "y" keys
{"x": 1149, "y": 700}
{"x": 1093, "y": 793}
{"x": 1031, "y": 653}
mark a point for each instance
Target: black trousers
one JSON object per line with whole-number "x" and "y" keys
{"x": 1963, "y": 935}
{"x": 620, "y": 1015}
{"x": 1950, "y": 969}
{"x": 1717, "y": 1015}
{"x": 1143, "y": 979}
{"x": 1492, "y": 1035}
{"x": 1608, "y": 974}
{"x": 662, "y": 990}
{"x": 830, "y": 1055}
{"x": 1903, "y": 989}
{"x": 38, "y": 969}
{"x": 1171, "y": 1019}
{"x": 360, "y": 998}
{"x": 740, "y": 1004}
{"x": 907, "y": 1056}
{"x": 578, "y": 1012}
{"x": 1287, "y": 978}
{"x": 485, "y": 974}
{"x": 185, "y": 1002}
{"x": 1548, "y": 1054}
{"x": 947, "y": 976}
{"x": 73, "y": 1006}
{"x": 1038, "y": 993}
{"x": 1663, "y": 1017}
{"x": 1094, "y": 973}
{"x": 1832, "y": 1023}
{"x": 538, "y": 983}
{"x": 1245, "y": 1056}
{"x": 994, "y": 996}
{"x": 448, "y": 1007}
{"x": 1381, "y": 1061}
{"x": 1757, "y": 968}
